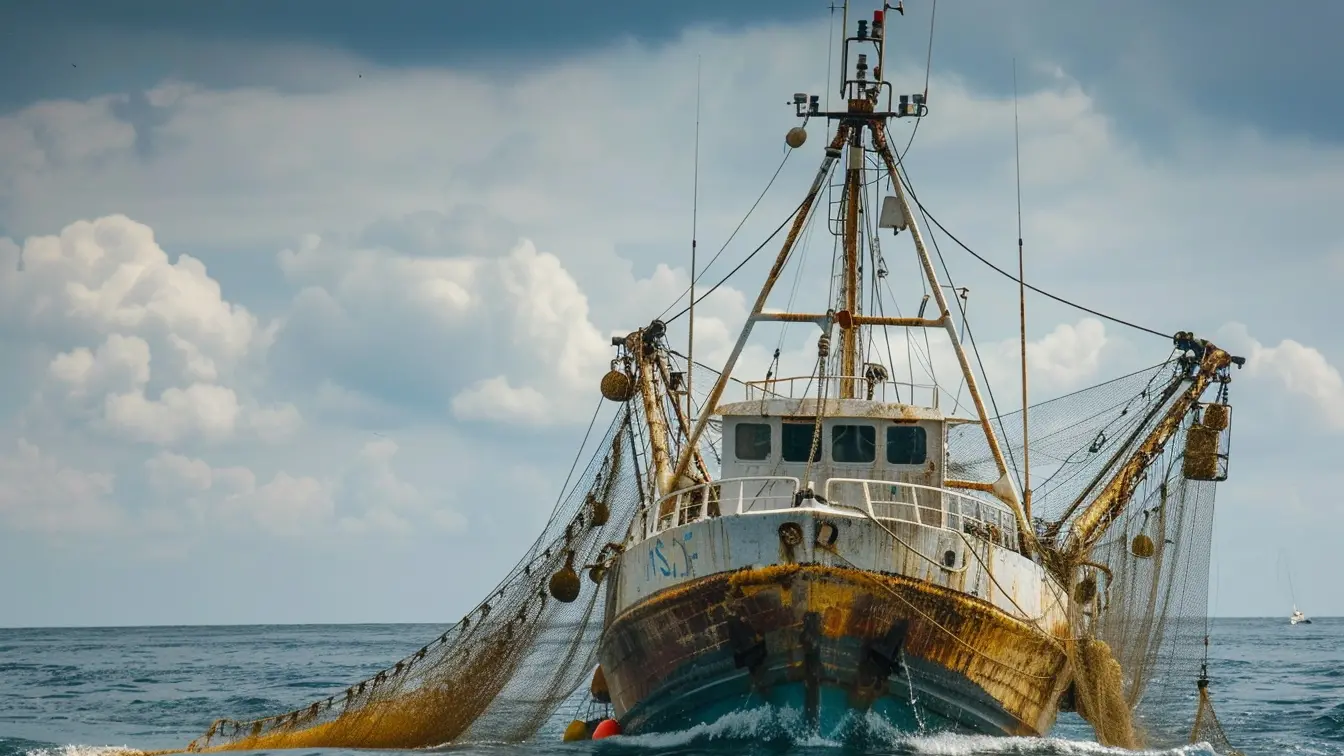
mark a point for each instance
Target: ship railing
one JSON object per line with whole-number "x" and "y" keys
{"x": 895, "y": 501}
{"x": 883, "y": 500}
{"x": 805, "y": 386}
{"x": 728, "y": 496}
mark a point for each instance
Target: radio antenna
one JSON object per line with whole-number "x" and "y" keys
{"x": 1021, "y": 308}
{"x": 695, "y": 208}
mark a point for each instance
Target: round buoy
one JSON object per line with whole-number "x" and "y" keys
{"x": 600, "y": 511}
{"x": 565, "y": 583}
{"x": 577, "y": 730}
{"x": 617, "y": 386}
{"x": 598, "y": 688}
{"x": 796, "y": 136}
{"x": 1142, "y": 546}
{"x": 596, "y": 573}
{"x": 606, "y": 728}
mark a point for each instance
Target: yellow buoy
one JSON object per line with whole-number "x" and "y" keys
{"x": 1217, "y": 416}
{"x": 617, "y": 386}
{"x": 598, "y": 688}
{"x": 577, "y": 730}
{"x": 796, "y": 136}
{"x": 565, "y": 582}
{"x": 1142, "y": 546}
{"x": 600, "y": 511}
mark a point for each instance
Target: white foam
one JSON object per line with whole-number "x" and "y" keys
{"x": 81, "y": 750}
{"x": 769, "y": 723}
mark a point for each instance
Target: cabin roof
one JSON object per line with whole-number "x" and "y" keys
{"x": 834, "y": 408}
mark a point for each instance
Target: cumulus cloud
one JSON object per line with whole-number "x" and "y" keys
{"x": 200, "y": 409}
{"x": 120, "y": 362}
{"x": 109, "y": 275}
{"x": 158, "y": 335}
{"x": 363, "y": 495}
{"x": 446, "y": 275}
{"x": 505, "y": 338}
{"x": 1300, "y": 369}
{"x": 494, "y": 399}
{"x": 40, "y": 493}
{"x": 176, "y": 474}
{"x": 1069, "y": 355}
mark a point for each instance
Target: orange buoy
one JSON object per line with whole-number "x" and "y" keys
{"x": 606, "y": 728}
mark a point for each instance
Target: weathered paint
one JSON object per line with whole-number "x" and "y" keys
{"x": 984, "y": 635}
{"x": 830, "y": 407}
{"x": 1001, "y": 577}
{"x": 831, "y": 642}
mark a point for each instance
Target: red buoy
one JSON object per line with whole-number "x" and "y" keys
{"x": 606, "y": 728}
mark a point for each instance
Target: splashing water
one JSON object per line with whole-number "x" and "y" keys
{"x": 159, "y": 687}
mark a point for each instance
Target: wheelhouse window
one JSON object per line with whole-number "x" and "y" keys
{"x": 796, "y": 440}
{"x": 853, "y": 443}
{"x": 751, "y": 441}
{"x": 907, "y": 445}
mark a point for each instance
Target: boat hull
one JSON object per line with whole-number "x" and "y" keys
{"x": 841, "y": 647}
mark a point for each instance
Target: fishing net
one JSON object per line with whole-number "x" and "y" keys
{"x": 503, "y": 670}
{"x": 1139, "y": 609}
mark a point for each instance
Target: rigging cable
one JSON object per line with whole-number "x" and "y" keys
{"x": 804, "y": 244}
{"x": 733, "y": 235}
{"x": 928, "y": 67}
{"x": 754, "y": 252}
{"x": 880, "y": 274}
{"x": 971, "y": 334}
{"x": 906, "y": 183}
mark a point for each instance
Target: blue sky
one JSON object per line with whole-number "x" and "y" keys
{"x": 371, "y": 244}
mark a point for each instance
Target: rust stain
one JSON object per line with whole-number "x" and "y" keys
{"x": 1021, "y": 666}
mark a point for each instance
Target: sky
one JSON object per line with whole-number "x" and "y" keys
{"x": 303, "y": 306}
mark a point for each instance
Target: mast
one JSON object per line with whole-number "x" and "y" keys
{"x": 849, "y": 330}
{"x": 859, "y": 117}
{"x": 642, "y": 345}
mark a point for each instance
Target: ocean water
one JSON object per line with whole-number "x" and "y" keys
{"x": 87, "y": 692}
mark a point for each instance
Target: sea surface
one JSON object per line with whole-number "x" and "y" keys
{"x": 88, "y": 692}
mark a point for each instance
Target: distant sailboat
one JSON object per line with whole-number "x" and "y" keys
{"x": 1297, "y": 617}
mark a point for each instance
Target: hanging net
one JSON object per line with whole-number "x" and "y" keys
{"x": 1139, "y": 609}
{"x": 504, "y": 669}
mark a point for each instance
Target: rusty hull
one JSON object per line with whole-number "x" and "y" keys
{"x": 833, "y": 641}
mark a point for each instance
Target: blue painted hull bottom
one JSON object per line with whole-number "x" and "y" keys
{"x": 835, "y": 656}
{"x": 906, "y": 707}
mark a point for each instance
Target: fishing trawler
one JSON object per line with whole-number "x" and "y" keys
{"x": 866, "y": 552}
{"x": 837, "y": 565}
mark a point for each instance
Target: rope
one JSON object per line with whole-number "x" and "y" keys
{"x": 823, "y": 350}
{"x": 734, "y": 235}
{"x": 966, "y": 325}
{"x": 754, "y": 252}
{"x": 928, "y": 69}
{"x": 1015, "y": 279}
